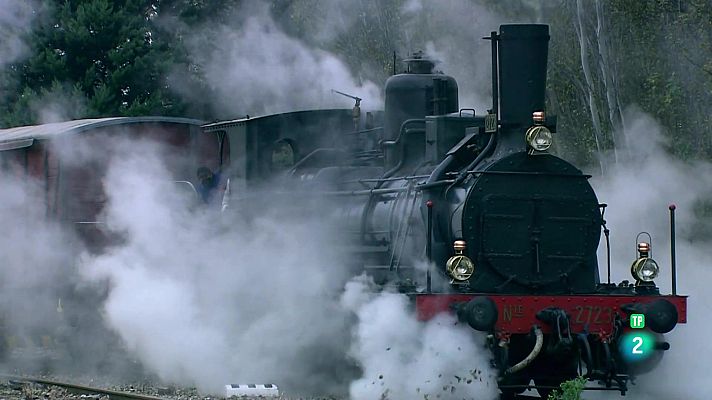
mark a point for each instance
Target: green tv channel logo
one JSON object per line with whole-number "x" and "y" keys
{"x": 637, "y": 321}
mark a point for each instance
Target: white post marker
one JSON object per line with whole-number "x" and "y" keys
{"x": 252, "y": 390}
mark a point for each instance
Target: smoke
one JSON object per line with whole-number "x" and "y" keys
{"x": 403, "y": 358}
{"x": 33, "y": 254}
{"x": 203, "y": 299}
{"x": 15, "y": 21}
{"x": 451, "y": 32}
{"x": 336, "y": 17}
{"x": 638, "y": 192}
{"x": 48, "y": 317}
{"x": 60, "y": 102}
{"x": 254, "y": 67}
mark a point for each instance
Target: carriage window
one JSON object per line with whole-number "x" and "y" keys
{"x": 282, "y": 155}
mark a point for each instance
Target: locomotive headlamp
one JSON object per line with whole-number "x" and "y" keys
{"x": 539, "y": 138}
{"x": 459, "y": 266}
{"x": 644, "y": 269}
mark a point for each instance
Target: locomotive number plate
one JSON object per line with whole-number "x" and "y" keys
{"x": 491, "y": 123}
{"x": 592, "y": 315}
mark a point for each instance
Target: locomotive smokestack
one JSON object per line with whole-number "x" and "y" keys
{"x": 523, "y": 52}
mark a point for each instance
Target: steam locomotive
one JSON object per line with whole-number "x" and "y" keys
{"x": 466, "y": 213}
{"x": 471, "y": 214}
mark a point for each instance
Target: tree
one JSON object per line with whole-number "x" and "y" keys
{"x": 105, "y": 52}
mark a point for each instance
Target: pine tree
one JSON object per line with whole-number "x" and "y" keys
{"x": 98, "y": 56}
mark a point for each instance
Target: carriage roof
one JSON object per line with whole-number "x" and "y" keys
{"x": 24, "y": 136}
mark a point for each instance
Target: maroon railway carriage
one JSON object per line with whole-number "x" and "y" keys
{"x": 68, "y": 160}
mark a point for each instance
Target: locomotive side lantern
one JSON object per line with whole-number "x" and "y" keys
{"x": 459, "y": 266}
{"x": 644, "y": 269}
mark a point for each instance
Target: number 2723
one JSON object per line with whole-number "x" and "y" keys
{"x": 593, "y": 314}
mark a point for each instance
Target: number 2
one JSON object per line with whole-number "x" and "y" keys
{"x": 636, "y": 348}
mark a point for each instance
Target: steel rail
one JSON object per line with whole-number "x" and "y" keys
{"x": 113, "y": 394}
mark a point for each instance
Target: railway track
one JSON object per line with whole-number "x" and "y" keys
{"x": 80, "y": 389}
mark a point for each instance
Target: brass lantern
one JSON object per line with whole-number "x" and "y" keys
{"x": 460, "y": 267}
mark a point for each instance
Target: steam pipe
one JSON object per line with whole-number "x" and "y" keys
{"x": 365, "y": 192}
{"x": 441, "y": 169}
{"x": 394, "y": 62}
{"x": 607, "y": 233}
{"x": 488, "y": 148}
{"x": 534, "y": 353}
{"x": 672, "y": 249}
{"x": 389, "y": 143}
{"x": 427, "y": 186}
{"x": 495, "y": 78}
{"x": 401, "y": 132}
{"x": 429, "y": 246}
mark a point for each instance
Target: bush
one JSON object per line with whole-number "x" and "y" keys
{"x": 569, "y": 390}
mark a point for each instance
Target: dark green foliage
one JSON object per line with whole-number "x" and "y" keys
{"x": 102, "y": 50}
{"x": 660, "y": 59}
{"x": 111, "y": 57}
{"x": 569, "y": 390}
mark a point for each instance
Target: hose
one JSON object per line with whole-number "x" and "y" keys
{"x": 485, "y": 152}
{"x": 534, "y": 353}
{"x": 586, "y": 349}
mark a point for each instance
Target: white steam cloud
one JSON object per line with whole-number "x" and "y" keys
{"x": 403, "y": 358}
{"x": 204, "y": 301}
{"x": 256, "y": 68}
{"x": 638, "y": 192}
{"x": 34, "y": 254}
{"x": 48, "y": 315}
{"x": 451, "y": 32}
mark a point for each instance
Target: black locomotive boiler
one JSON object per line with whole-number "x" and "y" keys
{"x": 471, "y": 214}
